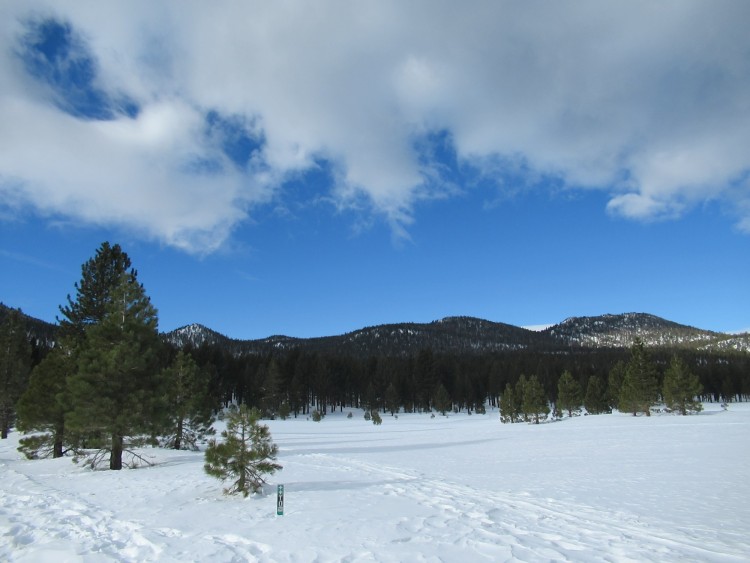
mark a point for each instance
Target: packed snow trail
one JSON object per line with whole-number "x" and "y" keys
{"x": 606, "y": 488}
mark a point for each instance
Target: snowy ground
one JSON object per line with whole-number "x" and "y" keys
{"x": 464, "y": 488}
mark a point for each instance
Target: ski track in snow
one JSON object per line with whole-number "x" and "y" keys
{"x": 361, "y": 493}
{"x": 492, "y": 526}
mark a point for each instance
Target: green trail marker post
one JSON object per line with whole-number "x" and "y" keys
{"x": 280, "y": 500}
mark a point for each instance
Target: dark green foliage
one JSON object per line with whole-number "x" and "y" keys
{"x": 442, "y": 400}
{"x": 284, "y": 410}
{"x": 568, "y": 393}
{"x": 376, "y": 418}
{"x": 99, "y": 276}
{"x": 681, "y": 388}
{"x": 115, "y": 390}
{"x": 615, "y": 380}
{"x": 535, "y": 402}
{"x": 43, "y": 406}
{"x": 15, "y": 364}
{"x": 187, "y": 406}
{"x": 392, "y": 399}
{"x": 596, "y": 397}
{"x": 273, "y": 389}
{"x": 509, "y": 410}
{"x": 245, "y": 456}
{"x": 520, "y": 391}
{"x": 639, "y": 389}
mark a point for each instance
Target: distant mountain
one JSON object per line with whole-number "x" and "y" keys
{"x": 618, "y": 331}
{"x": 196, "y": 335}
{"x": 461, "y": 335}
{"x": 469, "y": 335}
{"x": 615, "y": 331}
{"x": 457, "y": 334}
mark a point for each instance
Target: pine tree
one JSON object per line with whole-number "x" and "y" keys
{"x": 596, "y": 397}
{"x": 519, "y": 394}
{"x": 614, "y": 383}
{"x": 681, "y": 388}
{"x": 187, "y": 406}
{"x": 508, "y": 405}
{"x": 246, "y": 455}
{"x": 115, "y": 389}
{"x": 442, "y": 400}
{"x": 534, "y": 399}
{"x": 640, "y": 386}
{"x": 42, "y": 407}
{"x": 47, "y": 401}
{"x": 568, "y": 393}
{"x": 15, "y": 364}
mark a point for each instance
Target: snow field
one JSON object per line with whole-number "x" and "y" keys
{"x": 462, "y": 488}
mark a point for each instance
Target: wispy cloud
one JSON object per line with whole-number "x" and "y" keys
{"x": 175, "y": 120}
{"x": 31, "y": 260}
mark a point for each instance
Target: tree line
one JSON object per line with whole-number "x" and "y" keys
{"x": 299, "y": 382}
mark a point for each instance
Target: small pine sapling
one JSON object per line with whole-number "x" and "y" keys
{"x": 245, "y": 456}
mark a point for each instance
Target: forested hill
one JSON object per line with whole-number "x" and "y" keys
{"x": 468, "y": 335}
{"x": 41, "y": 333}
{"x": 620, "y": 331}
{"x": 456, "y": 335}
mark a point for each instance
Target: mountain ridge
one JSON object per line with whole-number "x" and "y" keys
{"x": 460, "y": 334}
{"x": 466, "y": 334}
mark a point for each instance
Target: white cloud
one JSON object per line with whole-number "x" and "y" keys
{"x": 645, "y": 100}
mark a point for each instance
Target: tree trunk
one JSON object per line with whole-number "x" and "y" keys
{"x": 4, "y": 432}
{"x": 57, "y": 447}
{"x": 178, "y": 435}
{"x": 115, "y": 457}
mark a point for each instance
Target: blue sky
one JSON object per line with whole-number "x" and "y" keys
{"x": 312, "y": 169}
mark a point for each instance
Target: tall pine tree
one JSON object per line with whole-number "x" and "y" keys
{"x": 46, "y": 403}
{"x": 115, "y": 389}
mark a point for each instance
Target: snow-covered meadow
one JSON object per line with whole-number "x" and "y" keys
{"x": 462, "y": 488}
